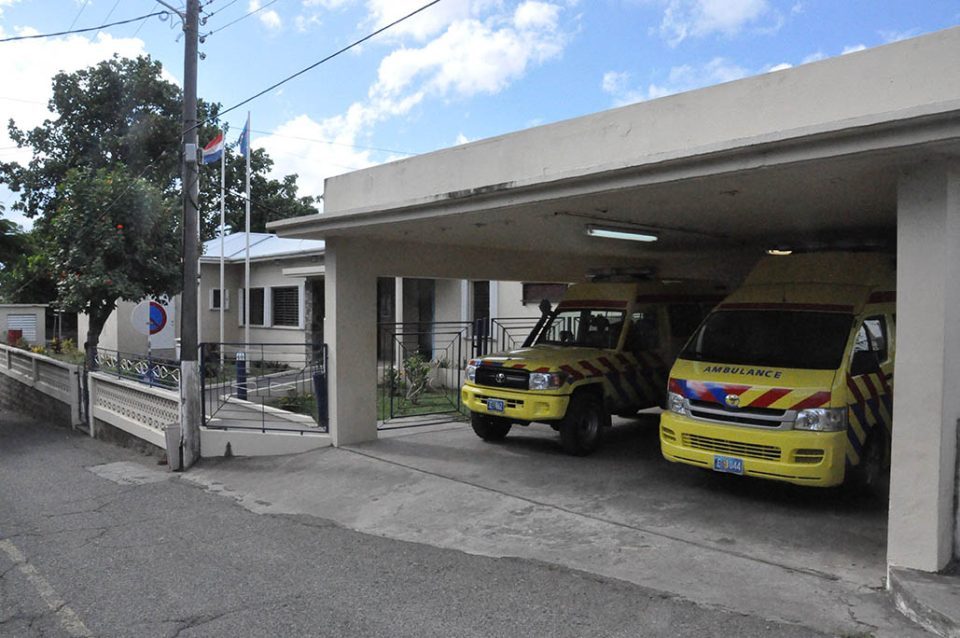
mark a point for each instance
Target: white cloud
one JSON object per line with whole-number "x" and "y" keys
{"x": 28, "y": 71}
{"x": 7, "y": 3}
{"x": 462, "y": 139}
{"x": 853, "y": 48}
{"x": 896, "y": 36}
{"x": 316, "y": 150}
{"x": 814, "y": 57}
{"x": 270, "y": 19}
{"x": 615, "y": 82}
{"x": 783, "y": 66}
{"x": 327, "y": 4}
{"x": 681, "y": 78}
{"x": 684, "y": 19}
{"x": 459, "y": 49}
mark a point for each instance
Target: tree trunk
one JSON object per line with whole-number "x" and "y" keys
{"x": 98, "y": 318}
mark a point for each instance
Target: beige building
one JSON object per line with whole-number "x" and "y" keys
{"x": 858, "y": 150}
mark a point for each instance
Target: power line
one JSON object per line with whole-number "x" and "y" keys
{"x": 77, "y": 17}
{"x": 140, "y": 26}
{"x": 112, "y": 9}
{"x": 102, "y": 26}
{"x": 213, "y": 13}
{"x": 246, "y": 15}
{"x": 330, "y": 57}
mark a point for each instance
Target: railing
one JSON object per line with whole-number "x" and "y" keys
{"x": 130, "y": 405}
{"x": 53, "y": 378}
{"x": 146, "y": 369}
{"x": 267, "y": 387}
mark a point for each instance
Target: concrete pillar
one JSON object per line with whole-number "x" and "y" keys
{"x": 926, "y": 396}
{"x": 351, "y": 333}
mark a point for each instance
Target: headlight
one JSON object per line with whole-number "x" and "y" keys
{"x": 472, "y": 371}
{"x": 822, "y": 420}
{"x": 676, "y": 403}
{"x": 546, "y": 380}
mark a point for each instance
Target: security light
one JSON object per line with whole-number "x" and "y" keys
{"x": 619, "y": 233}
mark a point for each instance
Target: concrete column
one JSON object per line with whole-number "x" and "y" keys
{"x": 926, "y": 397}
{"x": 351, "y": 333}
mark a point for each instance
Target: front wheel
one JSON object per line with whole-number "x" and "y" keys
{"x": 489, "y": 428}
{"x": 581, "y": 430}
{"x": 871, "y": 476}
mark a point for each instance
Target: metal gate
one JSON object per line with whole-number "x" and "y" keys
{"x": 420, "y": 373}
{"x": 268, "y": 387}
{"x": 422, "y": 365}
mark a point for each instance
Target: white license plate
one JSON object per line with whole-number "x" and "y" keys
{"x": 495, "y": 405}
{"x": 729, "y": 464}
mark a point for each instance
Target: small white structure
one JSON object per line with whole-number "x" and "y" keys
{"x": 27, "y": 320}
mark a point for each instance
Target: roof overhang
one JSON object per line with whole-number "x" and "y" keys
{"x": 792, "y": 156}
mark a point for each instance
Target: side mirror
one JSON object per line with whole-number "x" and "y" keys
{"x": 864, "y": 362}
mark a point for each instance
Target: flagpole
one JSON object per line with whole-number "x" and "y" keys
{"x": 246, "y": 260}
{"x": 223, "y": 230}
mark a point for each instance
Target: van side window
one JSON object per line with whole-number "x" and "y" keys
{"x": 872, "y": 336}
{"x": 644, "y": 334}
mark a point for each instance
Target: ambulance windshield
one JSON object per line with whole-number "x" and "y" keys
{"x": 775, "y": 338}
{"x": 583, "y": 327}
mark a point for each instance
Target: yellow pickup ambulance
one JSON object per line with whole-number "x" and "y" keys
{"x": 790, "y": 378}
{"x": 604, "y": 350}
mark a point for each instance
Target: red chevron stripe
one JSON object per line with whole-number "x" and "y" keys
{"x": 606, "y": 362}
{"x": 674, "y": 386}
{"x": 594, "y": 372}
{"x": 574, "y": 374}
{"x": 520, "y": 365}
{"x": 623, "y": 360}
{"x": 854, "y": 390}
{"x": 768, "y": 397}
{"x": 542, "y": 370}
{"x": 814, "y": 401}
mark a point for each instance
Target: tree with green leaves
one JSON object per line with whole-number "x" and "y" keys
{"x": 132, "y": 227}
{"x": 118, "y": 122}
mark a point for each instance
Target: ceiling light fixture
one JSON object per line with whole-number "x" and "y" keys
{"x": 779, "y": 252}
{"x": 619, "y": 233}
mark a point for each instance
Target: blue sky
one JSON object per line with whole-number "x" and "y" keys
{"x": 460, "y": 71}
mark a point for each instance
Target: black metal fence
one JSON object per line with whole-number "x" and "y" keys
{"x": 153, "y": 371}
{"x": 268, "y": 387}
{"x": 422, "y": 369}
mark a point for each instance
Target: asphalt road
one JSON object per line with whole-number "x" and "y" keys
{"x": 96, "y": 540}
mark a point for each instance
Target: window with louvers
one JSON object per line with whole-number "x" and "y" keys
{"x": 286, "y": 306}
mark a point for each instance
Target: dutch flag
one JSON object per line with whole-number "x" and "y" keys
{"x": 214, "y": 150}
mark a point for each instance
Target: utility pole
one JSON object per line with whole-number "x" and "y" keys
{"x": 189, "y": 366}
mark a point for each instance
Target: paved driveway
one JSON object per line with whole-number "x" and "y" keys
{"x": 789, "y": 554}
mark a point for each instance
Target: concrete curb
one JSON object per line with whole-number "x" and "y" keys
{"x": 930, "y": 600}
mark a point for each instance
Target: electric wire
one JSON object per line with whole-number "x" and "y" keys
{"x": 77, "y": 17}
{"x": 244, "y": 16}
{"x": 102, "y": 26}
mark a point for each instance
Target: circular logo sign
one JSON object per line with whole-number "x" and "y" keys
{"x": 158, "y": 317}
{"x": 732, "y": 400}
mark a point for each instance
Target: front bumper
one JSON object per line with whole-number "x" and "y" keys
{"x": 518, "y": 405}
{"x": 802, "y": 458}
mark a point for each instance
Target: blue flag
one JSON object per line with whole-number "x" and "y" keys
{"x": 244, "y": 140}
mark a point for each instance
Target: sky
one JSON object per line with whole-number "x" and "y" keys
{"x": 459, "y": 71}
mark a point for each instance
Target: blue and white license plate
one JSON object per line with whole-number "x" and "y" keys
{"x": 495, "y": 405}
{"x": 729, "y": 464}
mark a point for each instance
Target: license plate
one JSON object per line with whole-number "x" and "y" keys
{"x": 728, "y": 464}
{"x": 495, "y": 405}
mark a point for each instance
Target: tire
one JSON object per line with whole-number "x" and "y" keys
{"x": 581, "y": 430}
{"x": 489, "y": 428}
{"x": 871, "y": 476}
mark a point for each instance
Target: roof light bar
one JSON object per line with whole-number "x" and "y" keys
{"x": 619, "y": 233}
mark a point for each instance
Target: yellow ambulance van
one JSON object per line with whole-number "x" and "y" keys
{"x": 606, "y": 349}
{"x": 791, "y": 377}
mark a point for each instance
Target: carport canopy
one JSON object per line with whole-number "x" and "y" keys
{"x": 854, "y": 151}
